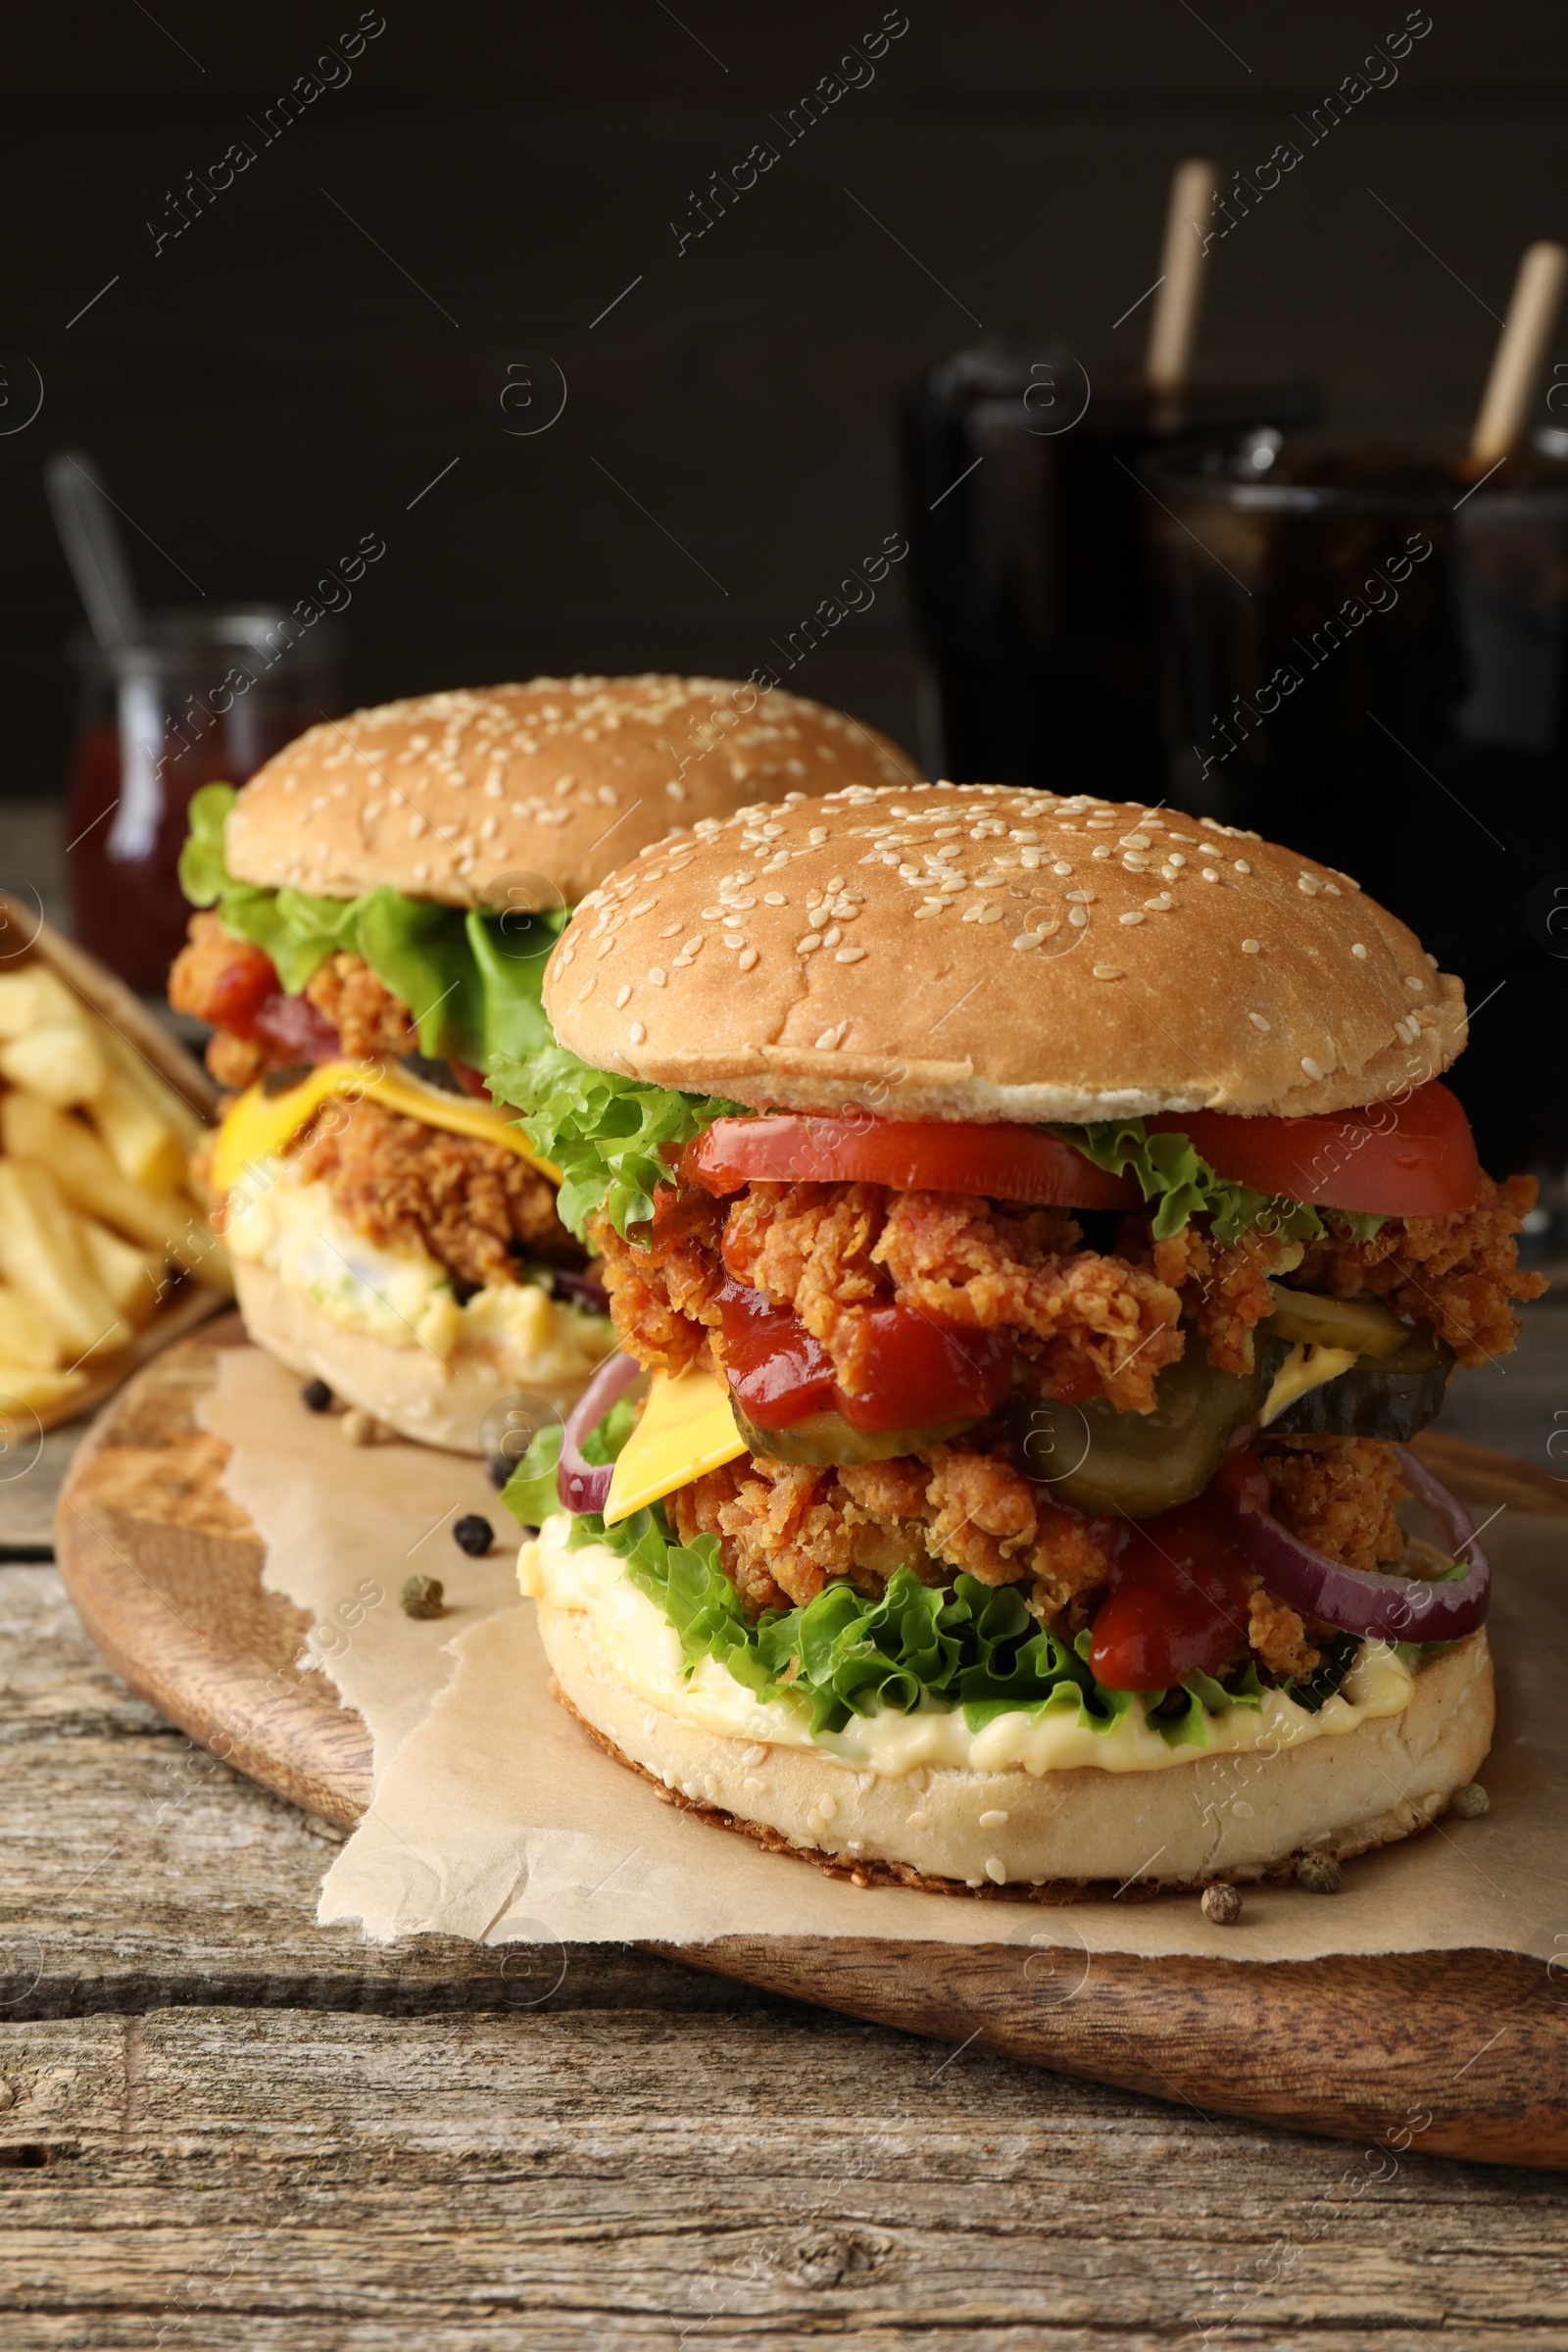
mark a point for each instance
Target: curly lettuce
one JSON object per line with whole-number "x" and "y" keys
{"x": 974, "y": 1645}
{"x": 614, "y": 1139}
{"x": 1172, "y": 1172}
{"x": 470, "y": 980}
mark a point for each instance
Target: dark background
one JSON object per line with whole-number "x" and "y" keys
{"x": 272, "y": 386}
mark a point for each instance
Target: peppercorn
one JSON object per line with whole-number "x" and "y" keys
{"x": 423, "y": 1596}
{"x": 1319, "y": 1873}
{"x": 1222, "y": 1904}
{"x": 473, "y": 1535}
{"x": 500, "y": 1469}
{"x": 316, "y": 1396}
{"x": 1471, "y": 1801}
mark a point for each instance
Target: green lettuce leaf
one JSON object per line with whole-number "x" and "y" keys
{"x": 1171, "y": 1171}
{"x": 614, "y": 1139}
{"x": 974, "y": 1647}
{"x": 470, "y": 980}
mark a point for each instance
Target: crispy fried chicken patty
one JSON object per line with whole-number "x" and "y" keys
{"x": 785, "y": 1530}
{"x": 477, "y": 1207}
{"x": 1085, "y": 1324}
{"x": 214, "y": 974}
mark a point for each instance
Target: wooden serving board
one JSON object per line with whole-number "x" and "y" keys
{"x": 166, "y": 1573}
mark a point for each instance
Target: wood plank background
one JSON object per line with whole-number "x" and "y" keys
{"x": 219, "y": 2122}
{"x": 273, "y": 385}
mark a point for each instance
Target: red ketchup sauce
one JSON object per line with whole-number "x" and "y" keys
{"x": 920, "y": 1369}
{"x": 1179, "y": 1591}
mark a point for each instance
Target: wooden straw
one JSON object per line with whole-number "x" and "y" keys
{"x": 1174, "y": 328}
{"x": 1521, "y": 349}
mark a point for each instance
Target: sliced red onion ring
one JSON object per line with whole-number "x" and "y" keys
{"x": 584, "y": 1485}
{"x": 1379, "y": 1607}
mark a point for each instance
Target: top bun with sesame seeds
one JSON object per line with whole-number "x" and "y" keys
{"x": 450, "y": 796}
{"x": 981, "y": 951}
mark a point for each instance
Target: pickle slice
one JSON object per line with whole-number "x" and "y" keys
{"x": 825, "y": 1439}
{"x": 1133, "y": 1465}
{"x": 1392, "y": 1400}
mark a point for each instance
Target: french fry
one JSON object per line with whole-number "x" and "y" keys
{"x": 160, "y": 1096}
{"x": 59, "y": 1061}
{"x": 33, "y": 1130}
{"x": 26, "y": 1335}
{"x": 35, "y": 1390}
{"x": 141, "y": 1141}
{"x": 133, "y": 1278}
{"x": 37, "y": 996}
{"x": 40, "y": 1252}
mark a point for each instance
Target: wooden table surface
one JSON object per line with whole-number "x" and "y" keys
{"x": 222, "y": 2128}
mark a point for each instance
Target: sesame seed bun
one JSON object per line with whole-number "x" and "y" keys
{"x": 982, "y": 952}
{"x": 447, "y": 796}
{"x": 1055, "y": 1833}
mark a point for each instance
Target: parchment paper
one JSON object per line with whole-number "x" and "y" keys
{"x": 496, "y": 1817}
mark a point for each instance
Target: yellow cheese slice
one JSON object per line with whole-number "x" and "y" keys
{"x": 259, "y": 1124}
{"x": 1303, "y": 1369}
{"x": 687, "y": 1427}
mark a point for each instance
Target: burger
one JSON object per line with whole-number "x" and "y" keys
{"x": 1035, "y": 1230}
{"x": 377, "y": 904}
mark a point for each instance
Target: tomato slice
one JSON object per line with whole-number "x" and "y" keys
{"x": 1177, "y": 1604}
{"x": 921, "y": 1369}
{"x": 939, "y": 1155}
{"x": 1415, "y": 1158}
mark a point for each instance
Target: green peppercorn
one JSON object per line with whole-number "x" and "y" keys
{"x": 1471, "y": 1801}
{"x": 1319, "y": 1873}
{"x": 423, "y": 1596}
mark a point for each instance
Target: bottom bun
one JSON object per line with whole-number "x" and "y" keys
{"x": 436, "y": 1400}
{"x": 1054, "y": 1835}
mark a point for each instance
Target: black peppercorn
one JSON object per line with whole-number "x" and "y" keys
{"x": 316, "y": 1396}
{"x": 473, "y": 1535}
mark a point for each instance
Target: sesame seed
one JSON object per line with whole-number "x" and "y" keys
{"x": 1078, "y": 917}
{"x": 1412, "y": 982}
{"x": 844, "y": 956}
{"x": 732, "y": 939}
{"x": 636, "y": 1033}
{"x": 1136, "y": 841}
{"x": 1083, "y": 898}
{"x": 1359, "y": 951}
{"x": 774, "y": 897}
{"x": 996, "y": 1870}
{"x": 623, "y": 995}
{"x": 804, "y": 946}
{"x": 1310, "y": 884}
{"x": 1242, "y": 866}
{"x": 931, "y": 907}
{"x": 1176, "y": 858}
{"x": 817, "y": 836}
{"x": 1108, "y": 972}
{"x": 1313, "y": 1069}
{"x": 1103, "y": 850}
{"x": 1259, "y": 1022}
{"x": 827, "y": 1042}
{"x": 1160, "y": 906}
{"x": 1210, "y": 873}
{"x": 657, "y": 975}
{"x": 1028, "y": 939}
{"x": 1061, "y": 867}
{"x": 1251, "y": 946}
{"x": 1134, "y": 918}
{"x": 748, "y": 957}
